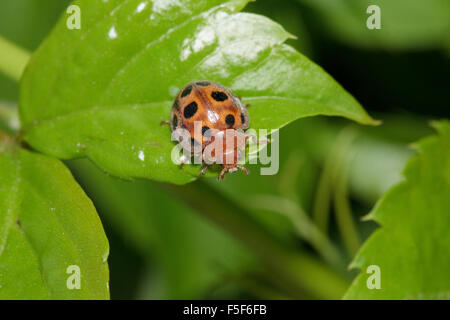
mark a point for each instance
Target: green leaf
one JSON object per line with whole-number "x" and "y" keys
{"x": 412, "y": 246}
{"x": 101, "y": 92}
{"x": 402, "y": 22}
{"x": 47, "y": 224}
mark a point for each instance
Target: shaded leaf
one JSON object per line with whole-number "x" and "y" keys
{"x": 102, "y": 91}
{"x": 47, "y": 224}
{"x": 25, "y": 22}
{"x": 190, "y": 255}
{"x": 412, "y": 246}
{"x": 405, "y": 24}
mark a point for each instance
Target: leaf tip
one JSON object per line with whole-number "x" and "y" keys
{"x": 291, "y": 36}
{"x": 352, "y": 265}
{"x": 368, "y": 217}
{"x": 374, "y": 122}
{"x": 439, "y": 125}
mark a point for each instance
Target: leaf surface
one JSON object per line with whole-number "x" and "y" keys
{"x": 47, "y": 224}
{"x": 412, "y": 246}
{"x": 101, "y": 92}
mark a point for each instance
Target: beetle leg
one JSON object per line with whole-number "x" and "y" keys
{"x": 204, "y": 169}
{"x": 244, "y": 169}
{"x": 222, "y": 174}
{"x": 164, "y": 122}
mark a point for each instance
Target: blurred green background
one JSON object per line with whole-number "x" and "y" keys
{"x": 165, "y": 245}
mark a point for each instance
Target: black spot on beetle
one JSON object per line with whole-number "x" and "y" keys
{"x": 242, "y": 118}
{"x": 204, "y": 129}
{"x": 186, "y": 91}
{"x": 203, "y": 83}
{"x": 219, "y": 96}
{"x": 190, "y": 110}
{"x": 229, "y": 119}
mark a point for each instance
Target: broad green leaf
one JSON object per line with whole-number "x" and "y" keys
{"x": 413, "y": 244}
{"x": 101, "y": 92}
{"x": 405, "y": 24}
{"x": 47, "y": 224}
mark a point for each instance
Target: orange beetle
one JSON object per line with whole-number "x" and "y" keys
{"x": 213, "y": 114}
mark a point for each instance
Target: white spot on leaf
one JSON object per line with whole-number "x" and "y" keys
{"x": 112, "y": 34}
{"x": 141, "y": 155}
{"x": 141, "y": 7}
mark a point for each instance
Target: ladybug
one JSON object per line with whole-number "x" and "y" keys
{"x": 211, "y": 113}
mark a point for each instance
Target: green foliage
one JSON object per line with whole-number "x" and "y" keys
{"x": 114, "y": 118}
{"x": 165, "y": 232}
{"x": 405, "y": 24}
{"x": 413, "y": 244}
{"x": 47, "y": 224}
{"x": 99, "y": 93}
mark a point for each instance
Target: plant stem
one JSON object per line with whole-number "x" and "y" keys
{"x": 13, "y": 59}
{"x": 321, "y": 210}
{"x": 303, "y": 225}
{"x": 342, "y": 208}
{"x": 344, "y": 215}
{"x": 295, "y": 271}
